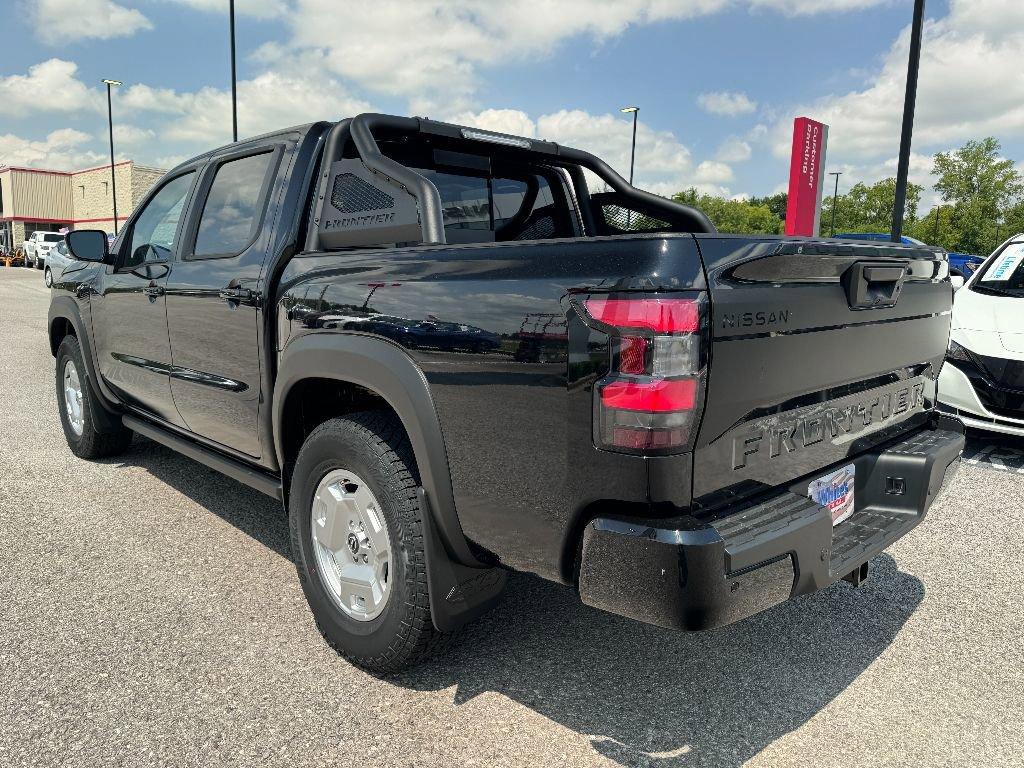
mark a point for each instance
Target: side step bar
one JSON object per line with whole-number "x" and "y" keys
{"x": 261, "y": 481}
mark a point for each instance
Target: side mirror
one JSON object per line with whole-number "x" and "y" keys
{"x": 957, "y": 281}
{"x": 88, "y": 244}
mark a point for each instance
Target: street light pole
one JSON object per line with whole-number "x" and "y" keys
{"x": 632, "y": 158}
{"x": 835, "y": 198}
{"x": 632, "y": 151}
{"x": 234, "y": 80}
{"x": 909, "y": 101}
{"x": 110, "y": 125}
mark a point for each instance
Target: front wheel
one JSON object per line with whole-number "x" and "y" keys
{"x": 357, "y": 537}
{"x": 48, "y": 278}
{"x": 75, "y": 401}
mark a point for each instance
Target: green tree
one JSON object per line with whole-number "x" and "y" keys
{"x": 733, "y": 216}
{"x": 1012, "y": 222}
{"x": 776, "y": 203}
{"x": 868, "y": 208}
{"x": 982, "y": 188}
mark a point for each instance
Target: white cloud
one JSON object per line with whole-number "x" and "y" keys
{"x": 808, "y": 7}
{"x": 148, "y": 99}
{"x": 259, "y": 9}
{"x": 978, "y": 44}
{"x": 63, "y": 149}
{"x": 712, "y": 172}
{"x": 425, "y": 48}
{"x": 726, "y": 103}
{"x": 511, "y": 121}
{"x": 432, "y": 51}
{"x": 663, "y": 164}
{"x": 733, "y": 150}
{"x": 68, "y": 21}
{"x": 267, "y": 102}
{"x": 130, "y": 135}
{"x": 50, "y": 86}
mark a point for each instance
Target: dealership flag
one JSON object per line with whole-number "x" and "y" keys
{"x": 806, "y": 176}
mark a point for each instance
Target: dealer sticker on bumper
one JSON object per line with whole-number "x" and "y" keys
{"x": 835, "y": 491}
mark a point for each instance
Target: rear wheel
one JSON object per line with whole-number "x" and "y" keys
{"x": 75, "y": 402}
{"x": 357, "y": 537}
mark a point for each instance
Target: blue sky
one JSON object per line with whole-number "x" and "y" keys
{"x": 718, "y": 81}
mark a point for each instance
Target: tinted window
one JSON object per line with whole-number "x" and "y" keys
{"x": 154, "y": 231}
{"x": 499, "y": 205}
{"x": 231, "y": 213}
{"x": 52, "y": 238}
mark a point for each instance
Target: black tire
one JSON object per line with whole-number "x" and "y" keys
{"x": 91, "y": 444}
{"x": 373, "y": 445}
{"x": 48, "y": 278}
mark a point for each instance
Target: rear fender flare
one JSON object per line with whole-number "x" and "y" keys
{"x": 385, "y": 369}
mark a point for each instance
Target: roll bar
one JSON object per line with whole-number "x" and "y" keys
{"x": 389, "y": 173}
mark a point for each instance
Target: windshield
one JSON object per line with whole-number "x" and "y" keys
{"x": 1003, "y": 275}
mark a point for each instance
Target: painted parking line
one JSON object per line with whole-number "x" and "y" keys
{"x": 1002, "y": 456}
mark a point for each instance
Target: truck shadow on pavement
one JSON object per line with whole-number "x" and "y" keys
{"x": 253, "y": 513}
{"x": 641, "y": 695}
{"x": 647, "y": 696}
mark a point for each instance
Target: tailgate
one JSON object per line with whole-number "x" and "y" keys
{"x": 820, "y": 350}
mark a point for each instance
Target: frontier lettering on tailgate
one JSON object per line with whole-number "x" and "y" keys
{"x": 770, "y": 440}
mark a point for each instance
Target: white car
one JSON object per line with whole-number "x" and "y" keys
{"x": 982, "y": 380}
{"x": 57, "y": 260}
{"x": 38, "y": 246}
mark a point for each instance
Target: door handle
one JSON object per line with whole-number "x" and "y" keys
{"x": 234, "y": 295}
{"x": 153, "y": 290}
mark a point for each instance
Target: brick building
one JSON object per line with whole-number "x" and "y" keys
{"x": 34, "y": 199}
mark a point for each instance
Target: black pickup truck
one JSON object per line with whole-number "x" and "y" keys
{"x": 451, "y": 352}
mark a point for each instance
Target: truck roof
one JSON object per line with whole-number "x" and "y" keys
{"x": 302, "y": 130}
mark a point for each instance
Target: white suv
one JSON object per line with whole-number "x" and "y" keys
{"x": 38, "y": 246}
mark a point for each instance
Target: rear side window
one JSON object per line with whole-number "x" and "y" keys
{"x": 233, "y": 208}
{"x": 52, "y": 238}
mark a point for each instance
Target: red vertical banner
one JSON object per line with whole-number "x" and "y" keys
{"x": 806, "y": 177}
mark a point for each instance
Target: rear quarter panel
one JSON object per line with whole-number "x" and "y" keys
{"x": 509, "y": 366}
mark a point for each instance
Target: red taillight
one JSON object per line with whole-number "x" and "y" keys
{"x": 656, "y": 314}
{"x": 651, "y": 398}
{"x": 658, "y": 396}
{"x": 633, "y": 355}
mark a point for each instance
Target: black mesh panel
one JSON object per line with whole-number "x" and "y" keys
{"x": 351, "y": 194}
{"x": 539, "y": 229}
{"x": 627, "y": 220}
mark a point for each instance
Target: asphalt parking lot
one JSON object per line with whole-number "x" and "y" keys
{"x": 150, "y": 614}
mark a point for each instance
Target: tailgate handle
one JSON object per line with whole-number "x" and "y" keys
{"x": 874, "y": 285}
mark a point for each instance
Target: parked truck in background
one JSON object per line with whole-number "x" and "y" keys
{"x": 38, "y": 246}
{"x": 686, "y": 427}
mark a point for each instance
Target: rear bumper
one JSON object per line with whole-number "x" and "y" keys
{"x": 686, "y": 574}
